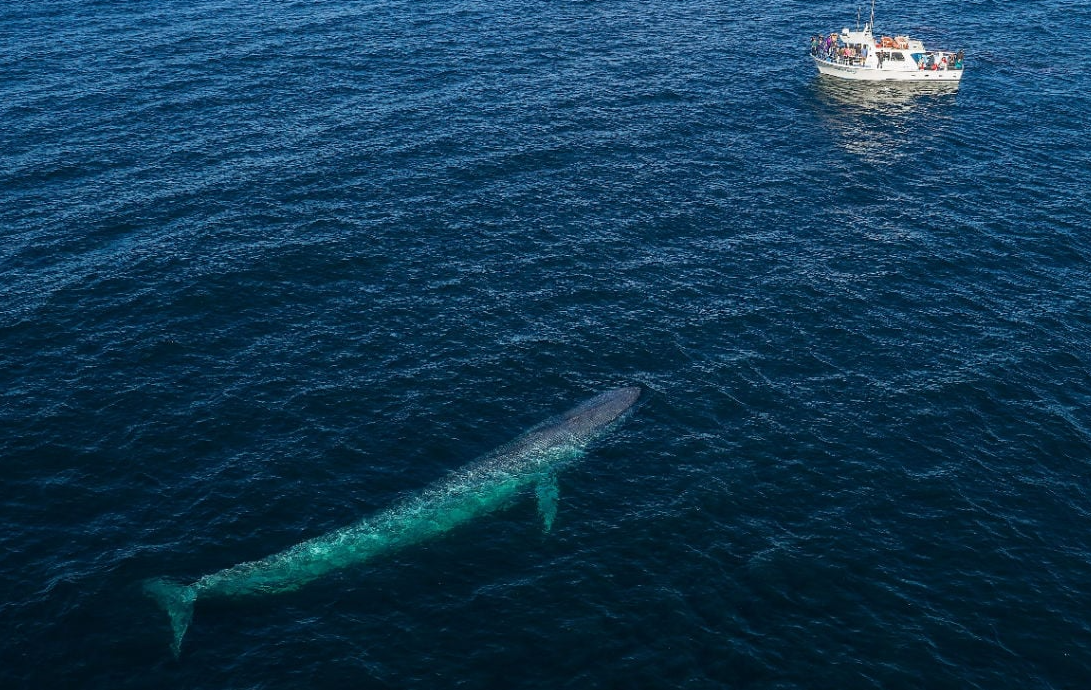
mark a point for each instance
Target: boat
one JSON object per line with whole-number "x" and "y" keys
{"x": 860, "y": 56}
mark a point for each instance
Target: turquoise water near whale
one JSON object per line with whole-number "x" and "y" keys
{"x": 269, "y": 268}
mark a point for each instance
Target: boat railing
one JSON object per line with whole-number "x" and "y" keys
{"x": 850, "y": 61}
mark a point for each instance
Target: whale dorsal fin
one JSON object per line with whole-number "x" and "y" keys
{"x": 548, "y": 493}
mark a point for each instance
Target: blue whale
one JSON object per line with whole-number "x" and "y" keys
{"x": 486, "y": 485}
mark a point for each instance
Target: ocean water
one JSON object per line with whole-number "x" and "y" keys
{"x": 266, "y": 268}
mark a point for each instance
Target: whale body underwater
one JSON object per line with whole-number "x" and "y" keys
{"x": 486, "y": 485}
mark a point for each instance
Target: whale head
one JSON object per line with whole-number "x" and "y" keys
{"x": 602, "y": 410}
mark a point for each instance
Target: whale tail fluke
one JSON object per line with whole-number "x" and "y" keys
{"x": 177, "y": 600}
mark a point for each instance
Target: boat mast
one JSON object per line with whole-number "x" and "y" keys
{"x": 873, "y": 16}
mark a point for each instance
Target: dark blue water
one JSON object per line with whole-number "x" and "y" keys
{"x": 265, "y": 268}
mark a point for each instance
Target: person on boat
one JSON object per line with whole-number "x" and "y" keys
{"x": 943, "y": 63}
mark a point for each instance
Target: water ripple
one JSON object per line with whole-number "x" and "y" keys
{"x": 268, "y": 269}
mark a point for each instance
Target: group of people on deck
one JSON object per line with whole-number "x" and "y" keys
{"x": 827, "y": 47}
{"x": 946, "y": 61}
{"x": 830, "y": 48}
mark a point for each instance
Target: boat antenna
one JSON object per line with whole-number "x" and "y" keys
{"x": 873, "y": 15}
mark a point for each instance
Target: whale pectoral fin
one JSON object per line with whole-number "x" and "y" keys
{"x": 548, "y": 493}
{"x": 177, "y": 600}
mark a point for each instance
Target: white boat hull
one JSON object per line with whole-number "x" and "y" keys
{"x": 895, "y": 73}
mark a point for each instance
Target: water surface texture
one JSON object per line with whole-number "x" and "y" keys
{"x": 267, "y": 268}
